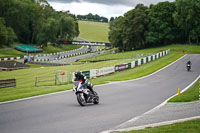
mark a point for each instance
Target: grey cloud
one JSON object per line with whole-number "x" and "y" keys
{"x": 114, "y": 2}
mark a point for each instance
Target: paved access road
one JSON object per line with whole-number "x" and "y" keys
{"x": 119, "y": 102}
{"x": 55, "y": 58}
{"x": 76, "y": 58}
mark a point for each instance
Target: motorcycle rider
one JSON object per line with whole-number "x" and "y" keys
{"x": 189, "y": 63}
{"x": 84, "y": 81}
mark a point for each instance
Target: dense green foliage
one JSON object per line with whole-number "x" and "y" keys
{"x": 160, "y": 24}
{"x": 34, "y": 21}
{"x": 7, "y": 34}
{"x": 161, "y": 29}
{"x": 92, "y": 17}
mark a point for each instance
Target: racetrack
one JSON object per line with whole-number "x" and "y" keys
{"x": 56, "y": 58}
{"x": 119, "y": 102}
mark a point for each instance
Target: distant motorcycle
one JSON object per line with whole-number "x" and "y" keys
{"x": 188, "y": 66}
{"x": 84, "y": 95}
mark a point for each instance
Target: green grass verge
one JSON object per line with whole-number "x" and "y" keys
{"x": 10, "y": 53}
{"x": 192, "y": 94}
{"x": 192, "y": 126}
{"x": 139, "y": 71}
{"x": 189, "y": 49}
{"x": 52, "y": 49}
{"x": 93, "y": 31}
{"x": 145, "y": 52}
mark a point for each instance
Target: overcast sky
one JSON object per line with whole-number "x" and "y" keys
{"x": 106, "y": 8}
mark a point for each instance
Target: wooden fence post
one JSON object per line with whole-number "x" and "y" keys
{"x": 55, "y": 78}
{"x": 35, "y": 81}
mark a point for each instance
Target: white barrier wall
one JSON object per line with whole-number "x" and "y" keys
{"x": 149, "y": 58}
{"x": 139, "y": 62}
{"x": 144, "y": 60}
{"x": 163, "y": 53}
{"x": 105, "y": 70}
{"x": 160, "y": 54}
{"x": 153, "y": 57}
{"x": 157, "y": 55}
{"x": 133, "y": 64}
{"x": 93, "y": 73}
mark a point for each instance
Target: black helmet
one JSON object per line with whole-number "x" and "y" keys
{"x": 77, "y": 74}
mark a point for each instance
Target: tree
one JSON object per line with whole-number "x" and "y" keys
{"x": 30, "y": 19}
{"x": 136, "y": 23}
{"x": 161, "y": 29}
{"x": 112, "y": 19}
{"x": 128, "y": 32}
{"x": 7, "y": 35}
{"x": 3, "y": 33}
{"x": 187, "y": 18}
{"x": 67, "y": 28}
{"x": 48, "y": 32}
{"x": 92, "y": 17}
{"x": 115, "y": 33}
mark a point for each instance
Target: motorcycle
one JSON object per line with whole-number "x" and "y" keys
{"x": 188, "y": 67}
{"x": 84, "y": 95}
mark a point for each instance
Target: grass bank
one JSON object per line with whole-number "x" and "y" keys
{"x": 194, "y": 49}
{"x": 94, "y": 31}
{"x": 140, "y": 71}
{"x": 192, "y": 126}
{"x": 192, "y": 94}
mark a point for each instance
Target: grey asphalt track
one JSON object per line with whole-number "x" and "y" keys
{"x": 73, "y": 59}
{"x": 55, "y": 58}
{"x": 119, "y": 102}
{"x": 167, "y": 114}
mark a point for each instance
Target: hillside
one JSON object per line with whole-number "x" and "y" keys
{"x": 93, "y": 31}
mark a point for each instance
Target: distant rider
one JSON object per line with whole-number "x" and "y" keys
{"x": 189, "y": 63}
{"x": 84, "y": 81}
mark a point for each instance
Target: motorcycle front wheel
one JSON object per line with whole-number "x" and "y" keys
{"x": 81, "y": 99}
{"x": 188, "y": 68}
{"x": 96, "y": 99}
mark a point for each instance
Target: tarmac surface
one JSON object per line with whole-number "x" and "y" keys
{"x": 120, "y": 102}
{"x": 76, "y": 58}
{"x": 167, "y": 114}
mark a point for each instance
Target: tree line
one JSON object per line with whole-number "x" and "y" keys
{"x": 91, "y": 17}
{"x": 34, "y": 22}
{"x": 160, "y": 24}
